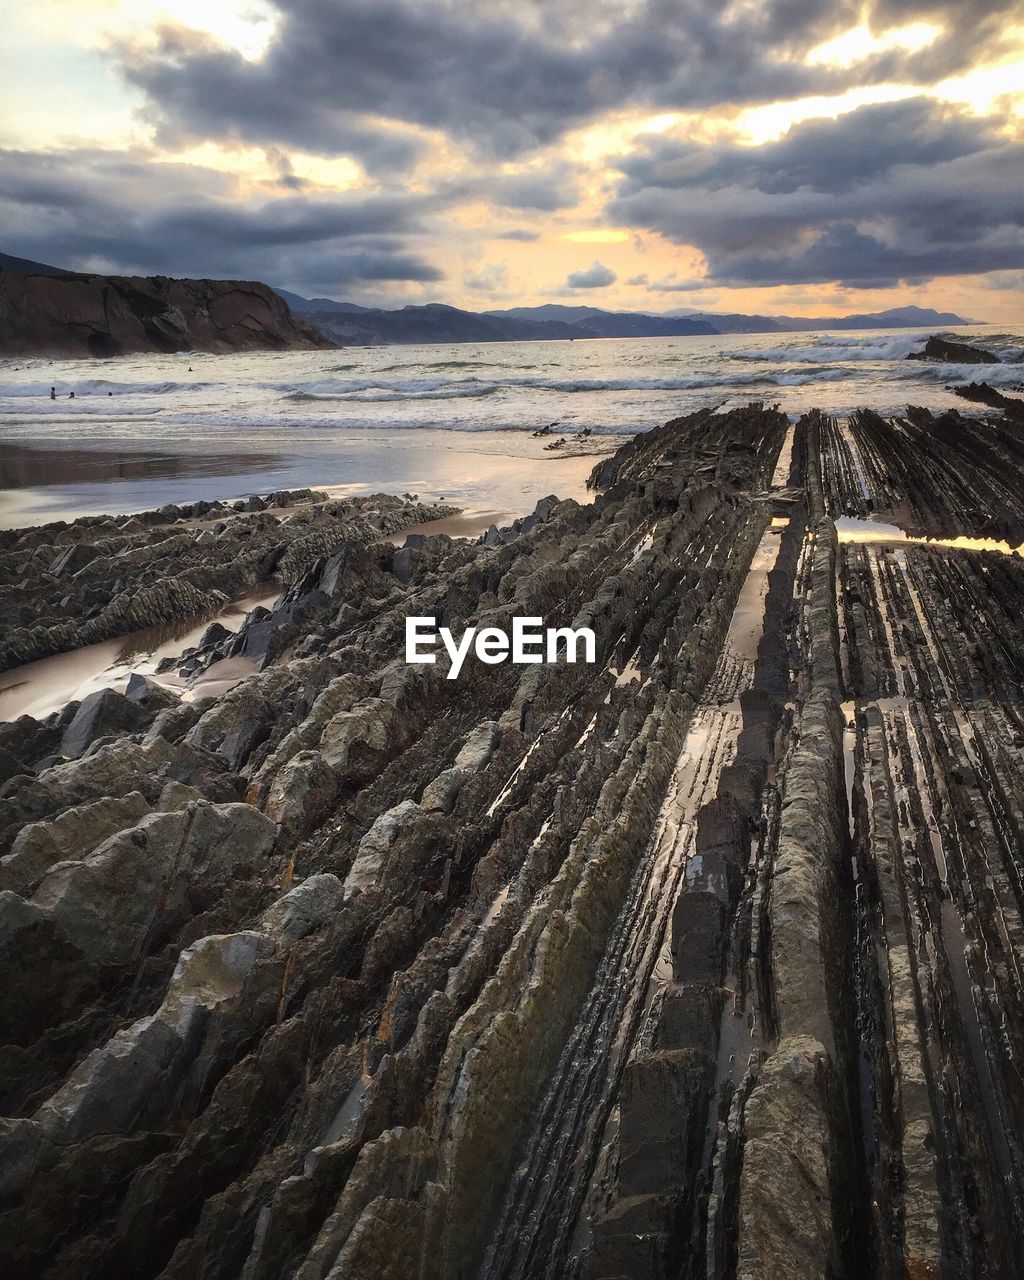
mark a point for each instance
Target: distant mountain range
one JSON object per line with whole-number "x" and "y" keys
{"x": 50, "y": 309}
{"x": 349, "y": 323}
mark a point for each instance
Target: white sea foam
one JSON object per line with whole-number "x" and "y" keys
{"x": 828, "y": 348}
{"x": 615, "y": 385}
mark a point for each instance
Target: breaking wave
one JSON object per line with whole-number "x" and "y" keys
{"x": 377, "y": 394}
{"x": 829, "y": 348}
{"x": 425, "y": 389}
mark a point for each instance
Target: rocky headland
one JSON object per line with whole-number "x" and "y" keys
{"x": 46, "y": 312}
{"x": 702, "y": 960}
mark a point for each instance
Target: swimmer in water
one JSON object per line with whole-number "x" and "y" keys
{"x": 53, "y": 393}
{"x": 71, "y": 396}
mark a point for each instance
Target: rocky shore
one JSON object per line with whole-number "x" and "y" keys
{"x": 702, "y": 960}
{"x": 64, "y": 585}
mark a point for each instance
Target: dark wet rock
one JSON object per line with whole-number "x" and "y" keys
{"x": 949, "y": 352}
{"x": 375, "y": 847}
{"x": 70, "y": 836}
{"x": 478, "y": 747}
{"x": 254, "y": 639}
{"x": 173, "y": 722}
{"x": 101, "y": 714}
{"x": 28, "y": 740}
{"x": 698, "y": 937}
{"x": 786, "y": 1188}
{"x": 148, "y": 694}
{"x": 73, "y": 558}
{"x": 982, "y": 393}
{"x": 443, "y": 791}
{"x": 690, "y": 1016}
{"x": 302, "y": 794}
{"x": 661, "y": 1096}
{"x": 10, "y": 765}
{"x": 93, "y": 916}
{"x": 304, "y": 908}
{"x": 214, "y": 634}
{"x": 98, "y": 579}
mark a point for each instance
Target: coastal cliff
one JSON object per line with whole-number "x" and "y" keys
{"x": 69, "y": 314}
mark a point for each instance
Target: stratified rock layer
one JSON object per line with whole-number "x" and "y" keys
{"x": 66, "y": 585}
{"x": 702, "y": 960}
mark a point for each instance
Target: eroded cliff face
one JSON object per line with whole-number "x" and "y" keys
{"x": 85, "y": 315}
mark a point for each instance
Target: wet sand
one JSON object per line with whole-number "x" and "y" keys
{"x": 503, "y": 471}
{"x": 32, "y": 466}
{"x": 470, "y": 524}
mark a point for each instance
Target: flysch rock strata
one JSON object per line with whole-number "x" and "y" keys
{"x": 701, "y": 960}
{"x": 64, "y": 585}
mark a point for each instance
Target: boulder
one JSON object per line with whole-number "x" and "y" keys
{"x": 374, "y": 846}
{"x": 102, "y": 713}
{"x": 303, "y": 908}
{"x": 148, "y": 694}
{"x": 478, "y": 747}
{"x": 442, "y": 792}
{"x": 301, "y": 794}
{"x": 358, "y": 737}
{"x": 69, "y": 837}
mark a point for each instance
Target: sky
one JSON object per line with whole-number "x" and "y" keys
{"x": 809, "y": 157}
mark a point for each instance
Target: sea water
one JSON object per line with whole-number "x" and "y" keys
{"x": 448, "y": 419}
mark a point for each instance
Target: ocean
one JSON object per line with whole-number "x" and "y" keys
{"x": 453, "y": 421}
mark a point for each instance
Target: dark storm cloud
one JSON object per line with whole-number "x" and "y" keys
{"x": 101, "y": 181}
{"x": 596, "y": 276}
{"x": 904, "y": 191}
{"x": 547, "y": 191}
{"x": 77, "y": 209}
{"x": 824, "y": 155}
{"x": 509, "y": 78}
{"x": 199, "y": 89}
{"x": 357, "y": 265}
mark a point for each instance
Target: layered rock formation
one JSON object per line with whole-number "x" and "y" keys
{"x": 70, "y": 314}
{"x": 700, "y": 960}
{"x": 64, "y": 584}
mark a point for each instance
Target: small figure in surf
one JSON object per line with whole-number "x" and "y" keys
{"x": 53, "y": 393}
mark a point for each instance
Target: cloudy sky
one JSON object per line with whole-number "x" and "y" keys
{"x": 800, "y": 156}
